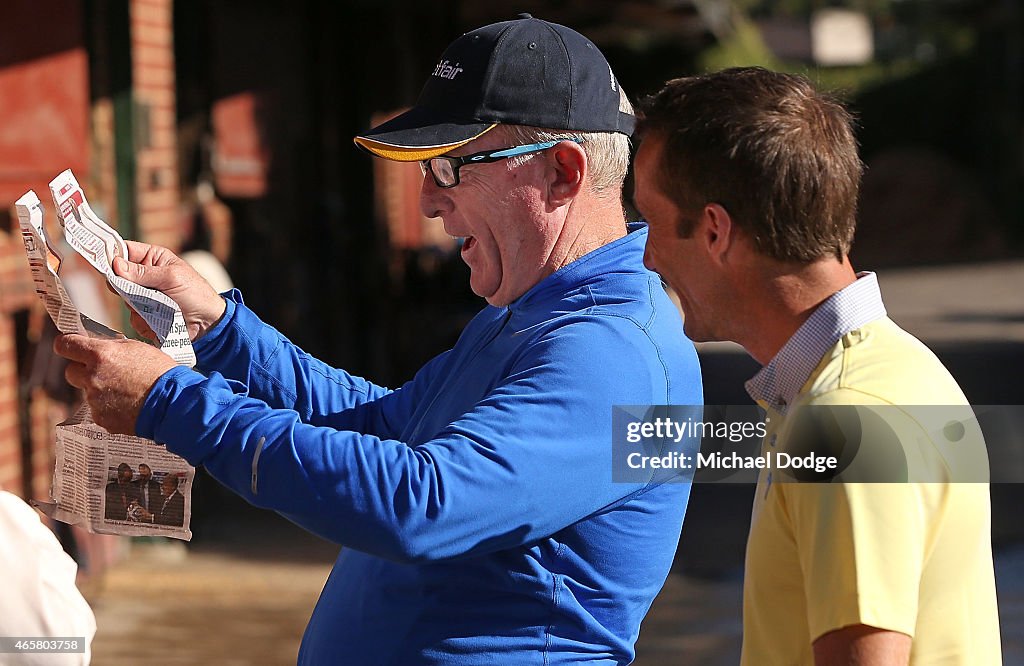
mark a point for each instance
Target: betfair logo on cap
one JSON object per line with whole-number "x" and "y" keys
{"x": 446, "y": 71}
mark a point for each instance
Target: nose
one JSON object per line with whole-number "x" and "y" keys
{"x": 434, "y": 200}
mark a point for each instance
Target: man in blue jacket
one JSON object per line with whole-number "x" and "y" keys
{"x": 475, "y": 503}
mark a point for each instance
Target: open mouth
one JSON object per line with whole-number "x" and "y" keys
{"x": 467, "y": 243}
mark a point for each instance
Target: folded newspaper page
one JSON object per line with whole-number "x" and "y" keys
{"x": 112, "y": 484}
{"x": 99, "y": 244}
{"x": 44, "y": 261}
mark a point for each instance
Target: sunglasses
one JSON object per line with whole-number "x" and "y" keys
{"x": 445, "y": 169}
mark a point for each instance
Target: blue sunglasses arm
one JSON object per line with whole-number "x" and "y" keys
{"x": 521, "y": 150}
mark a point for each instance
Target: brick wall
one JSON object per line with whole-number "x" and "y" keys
{"x": 44, "y": 87}
{"x": 44, "y": 414}
{"x": 156, "y": 174}
{"x": 156, "y": 189}
{"x": 10, "y": 442}
{"x": 15, "y": 294}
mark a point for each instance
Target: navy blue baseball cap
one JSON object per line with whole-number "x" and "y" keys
{"x": 521, "y": 72}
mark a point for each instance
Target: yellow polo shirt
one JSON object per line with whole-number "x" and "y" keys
{"x": 909, "y": 557}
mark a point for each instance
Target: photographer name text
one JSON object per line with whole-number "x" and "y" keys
{"x": 733, "y": 460}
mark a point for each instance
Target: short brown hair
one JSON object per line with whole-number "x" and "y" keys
{"x": 780, "y": 156}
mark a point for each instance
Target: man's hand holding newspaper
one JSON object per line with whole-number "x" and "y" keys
{"x": 116, "y": 376}
{"x": 158, "y": 268}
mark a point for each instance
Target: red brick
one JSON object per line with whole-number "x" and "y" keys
{"x": 151, "y": 75}
{"x": 153, "y": 35}
{"x": 161, "y": 117}
{"x": 162, "y": 96}
{"x": 163, "y": 199}
{"x": 151, "y": 14}
{"x": 45, "y": 415}
{"x": 9, "y": 431}
{"x": 10, "y": 439}
{"x": 9, "y": 453}
{"x": 168, "y": 237}
{"x": 155, "y": 158}
{"x": 158, "y": 218}
{"x": 9, "y": 420}
{"x": 155, "y": 56}
{"x": 6, "y": 345}
{"x": 161, "y": 137}
{"x": 10, "y": 478}
{"x": 8, "y": 392}
{"x": 159, "y": 222}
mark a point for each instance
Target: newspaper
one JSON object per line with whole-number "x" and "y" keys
{"x": 99, "y": 244}
{"x": 118, "y": 484}
{"x": 107, "y": 483}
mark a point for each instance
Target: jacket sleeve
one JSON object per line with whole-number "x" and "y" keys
{"x": 241, "y": 347}
{"x": 530, "y": 458}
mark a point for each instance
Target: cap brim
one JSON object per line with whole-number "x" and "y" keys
{"x": 419, "y": 134}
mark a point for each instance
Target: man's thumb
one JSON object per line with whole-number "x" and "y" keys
{"x": 147, "y": 276}
{"x": 73, "y": 346}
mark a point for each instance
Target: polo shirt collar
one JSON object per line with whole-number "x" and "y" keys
{"x": 778, "y": 383}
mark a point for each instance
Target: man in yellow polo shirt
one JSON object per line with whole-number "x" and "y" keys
{"x": 749, "y": 180}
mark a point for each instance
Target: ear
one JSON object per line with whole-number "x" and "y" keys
{"x": 566, "y": 169}
{"x": 717, "y": 231}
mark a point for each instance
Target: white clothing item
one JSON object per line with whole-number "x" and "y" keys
{"x": 38, "y": 596}
{"x": 210, "y": 269}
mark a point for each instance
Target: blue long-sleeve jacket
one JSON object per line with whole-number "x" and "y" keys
{"x": 475, "y": 503}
